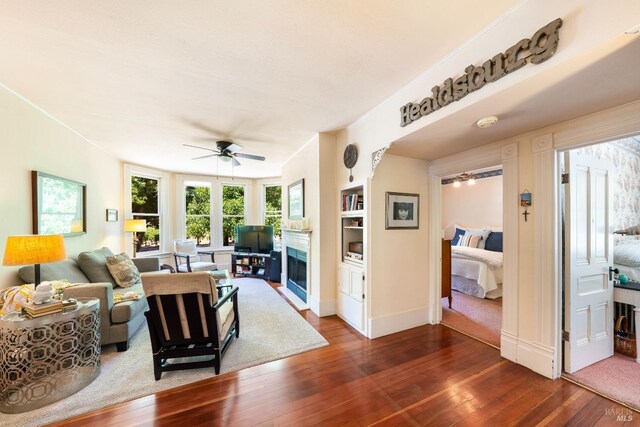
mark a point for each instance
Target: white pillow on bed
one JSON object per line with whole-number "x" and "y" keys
{"x": 484, "y": 232}
{"x": 627, "y": 253}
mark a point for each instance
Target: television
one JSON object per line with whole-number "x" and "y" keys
{"x": 256, "y": 239}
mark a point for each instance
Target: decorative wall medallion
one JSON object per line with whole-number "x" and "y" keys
{"x": 376, "y": 157}
{"x": 350, "y": 158}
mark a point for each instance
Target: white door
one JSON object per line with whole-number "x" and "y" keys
{"x": 588, "y": 257}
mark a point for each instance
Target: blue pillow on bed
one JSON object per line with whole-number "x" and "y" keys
{"x": 456, "y": 236}
{"x": 494, "y": 242}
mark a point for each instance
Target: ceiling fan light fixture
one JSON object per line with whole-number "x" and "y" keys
{"x": 226, "y": 159}
{"x": 487, "y": 122}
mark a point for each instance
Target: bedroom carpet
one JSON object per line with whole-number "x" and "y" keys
{"x": 270, "y": 329}
{"x": 477, "y": 317}
{"x": 617, "y": 377}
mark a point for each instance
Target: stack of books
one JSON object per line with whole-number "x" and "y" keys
{"x": 39, "y": 310}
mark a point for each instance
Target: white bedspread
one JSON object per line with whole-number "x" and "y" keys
{"x": 492, "y": 259}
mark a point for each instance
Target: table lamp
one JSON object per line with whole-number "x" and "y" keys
{"x": 135, "y": 226}
{"x": 34, "y": 249}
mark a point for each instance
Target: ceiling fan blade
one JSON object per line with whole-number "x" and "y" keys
{"x": 249, "y": 156}
{"x": 235, "y": 161}
{"x": 205, "y": 157}
{"x": 202, "y": 148}
{"x": 233, "y": 148}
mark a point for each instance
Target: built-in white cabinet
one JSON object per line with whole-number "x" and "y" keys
{"x": 351, "y": 295}
{"x": 352, "y": 289}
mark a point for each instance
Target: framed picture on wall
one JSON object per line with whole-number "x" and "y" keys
{"x": 112, "y": 215}
{"x": 59, "y": 205}
{"x": 402, "y": 211}
{"x": 296, "y": 200}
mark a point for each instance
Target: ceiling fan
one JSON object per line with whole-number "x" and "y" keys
{"x": 227, "y": 151}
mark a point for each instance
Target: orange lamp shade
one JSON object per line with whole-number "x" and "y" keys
{"x": 34, "y": 249}
{"x": 135, "y": 225}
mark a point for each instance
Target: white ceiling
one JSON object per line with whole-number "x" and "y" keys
{"x": 140, "y": 78}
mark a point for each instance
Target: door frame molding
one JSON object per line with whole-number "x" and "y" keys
{"x": 615, "y": 123}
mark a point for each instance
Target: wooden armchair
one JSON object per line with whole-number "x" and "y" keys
{"x": 188, "y": 258}
{"x": 189, "y": 315}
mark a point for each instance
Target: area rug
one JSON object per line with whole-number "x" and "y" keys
{"x": 477, "y": 317}
{"x": 270, "y": 329}
{"x": 616, "y": 377}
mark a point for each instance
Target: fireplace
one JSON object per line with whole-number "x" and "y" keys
{"x": 297, "y": 272}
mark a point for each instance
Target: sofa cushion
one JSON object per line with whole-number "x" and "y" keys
{"x": 64, "y": 270}
{"x": 125, "y": 311}
{"x": 94, "y": 265}
{"x": 123, "y": 270}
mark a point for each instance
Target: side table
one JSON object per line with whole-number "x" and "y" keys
{"x": 45, "y": 359}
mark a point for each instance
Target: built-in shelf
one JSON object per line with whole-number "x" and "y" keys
{"x": 352, "y": 213}
{"x": 354, "y": 228}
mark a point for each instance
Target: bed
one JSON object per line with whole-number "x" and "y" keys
{"x": 477, "y": 271}
{"x": 626, "y": 258}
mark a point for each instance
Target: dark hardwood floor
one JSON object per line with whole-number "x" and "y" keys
{"x": 429, "y": 375}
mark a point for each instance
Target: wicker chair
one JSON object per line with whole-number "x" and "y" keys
{"x": 189, "y": 315}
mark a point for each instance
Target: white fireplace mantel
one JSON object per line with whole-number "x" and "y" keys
{"x": 299, "y": 240}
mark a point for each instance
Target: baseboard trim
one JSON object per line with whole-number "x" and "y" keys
{"x": 537, "y": 357}
{"x": 322, "y": 308}
{"x": 508, "y": 345}
{"x": 385, "y": 325}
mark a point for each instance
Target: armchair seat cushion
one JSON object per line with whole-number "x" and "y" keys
{"x": 198, "y": 266}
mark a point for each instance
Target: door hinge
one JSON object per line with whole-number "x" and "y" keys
{"x": 565, "y": 336}
{"x": 565, "y": 178}
{"x": 362, "y": 296}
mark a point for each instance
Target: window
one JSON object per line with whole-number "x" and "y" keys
{"x": 232, "y": 211}
{"x": 198, "y": 214}
{"x": 144, "y": 205}
{"x": 273, "y": 209}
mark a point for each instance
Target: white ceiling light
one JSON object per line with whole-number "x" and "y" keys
{"x": 486, "y": 122}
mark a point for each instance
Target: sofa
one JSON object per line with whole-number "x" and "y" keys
{"x": 118, "y": 322}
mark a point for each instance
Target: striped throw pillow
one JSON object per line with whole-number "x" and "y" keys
{"x": 469, "y": 240}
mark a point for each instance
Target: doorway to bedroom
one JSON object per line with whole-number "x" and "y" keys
{"x": 471, "y": 214}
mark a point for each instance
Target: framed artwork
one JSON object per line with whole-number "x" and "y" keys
{"x": 525, "y": 199}
{"x": 296, "y": 200}
{"x": 59, "y": 206}
{"x": 402, "y": 211}
{"x": 112, "y": 215}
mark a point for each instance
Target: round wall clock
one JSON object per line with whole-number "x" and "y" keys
{"x": 350, "y": 158}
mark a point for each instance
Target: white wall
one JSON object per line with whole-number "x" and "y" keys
{"x": 33, "y": 140}
{"x": 399, "y": 258}
{"x": 472, "y": 205}
{"x": 315, "y": 162}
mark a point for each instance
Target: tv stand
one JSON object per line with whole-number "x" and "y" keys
{"x": 245, "y": 264}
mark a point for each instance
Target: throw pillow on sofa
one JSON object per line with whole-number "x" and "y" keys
{"x": 94, "y": 265}
{"x": 123, "y": 270}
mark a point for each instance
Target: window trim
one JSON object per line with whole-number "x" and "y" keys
{"x": 263, "y": 201}
{"x": 163, "y": 203}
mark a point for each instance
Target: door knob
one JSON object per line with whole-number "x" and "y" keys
{"x": 611, "y": 271}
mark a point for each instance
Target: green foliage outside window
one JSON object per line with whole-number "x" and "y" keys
{"x": 273, "y": 209}
{"x": 144, "y": 205}
{"x": 232, "y": 211}
{"x": 198, "y": 202}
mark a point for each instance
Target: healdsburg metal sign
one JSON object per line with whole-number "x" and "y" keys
{"x": 541, "y": 46}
